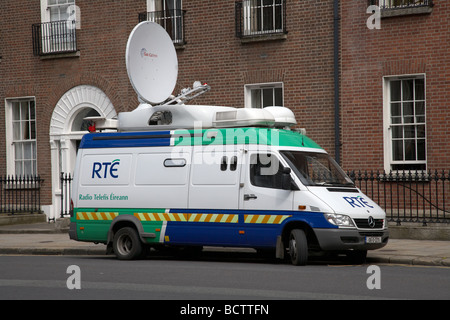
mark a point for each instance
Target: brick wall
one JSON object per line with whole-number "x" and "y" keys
{"x": 409, "y": 44}
{"x": 213, "y": 54}
{"x": 105, "y": 26}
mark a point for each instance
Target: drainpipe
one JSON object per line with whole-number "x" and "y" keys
{"x": 337, "y": 140}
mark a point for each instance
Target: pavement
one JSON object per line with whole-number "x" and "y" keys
{"x": 46, "y": 239}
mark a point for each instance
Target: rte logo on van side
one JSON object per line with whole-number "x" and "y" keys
{"x": 103, "y": 170}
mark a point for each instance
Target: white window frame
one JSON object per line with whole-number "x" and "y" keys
{"x": 11, "y": 144}
{"x": 256, "y": 7}
{"x": 388, "y": 126}
{"x": 249, "y": 103}
{"x": 61, "y": 8}
{"x": 45, "y": 9}
{"x": 151, "y": 5}
{"x": 177, "y": 24}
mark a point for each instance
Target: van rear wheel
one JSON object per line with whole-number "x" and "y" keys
{"x": 126, "y": 244}
{"x": 298, "y": 247}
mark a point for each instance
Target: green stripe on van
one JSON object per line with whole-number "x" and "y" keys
{"x": 230, "y": 136}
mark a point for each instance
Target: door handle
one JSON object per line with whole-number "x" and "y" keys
{"x": 249, "y": 196}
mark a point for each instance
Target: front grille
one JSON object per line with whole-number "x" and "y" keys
{"x": 364, "y": 223}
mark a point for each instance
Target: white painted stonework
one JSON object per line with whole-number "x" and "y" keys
{"x": 65, "y": 133}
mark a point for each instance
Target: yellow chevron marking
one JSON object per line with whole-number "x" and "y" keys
{"x": 187, "y": 217}
{"x": 96, "y": 215}
{"x": 265, "y": 218}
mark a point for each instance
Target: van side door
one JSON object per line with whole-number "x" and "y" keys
{"x": 214, "y": 179}
{"x": 212, "y": 215}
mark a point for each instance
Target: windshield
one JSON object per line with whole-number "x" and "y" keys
{"x": 316, "y": 169}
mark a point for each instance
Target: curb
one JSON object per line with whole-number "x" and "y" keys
{"x": 411, "y": 260}
{"x": 385, "y": 259}
{"x": 51, "y": 252}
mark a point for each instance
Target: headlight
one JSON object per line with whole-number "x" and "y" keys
{"x": 340, "y": 220}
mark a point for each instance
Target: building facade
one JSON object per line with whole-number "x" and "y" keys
{"x": 64, "y": 60}
{"x": 395, "y": 87}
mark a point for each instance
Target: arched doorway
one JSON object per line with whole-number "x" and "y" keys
{"x": 67, "y": 127}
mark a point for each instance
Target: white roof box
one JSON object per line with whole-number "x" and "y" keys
{"x": 283, "y": 116}
{"x": 279, "y": 117}
{"x": 243, "y": 117}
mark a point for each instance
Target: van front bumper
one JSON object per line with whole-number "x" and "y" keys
{"x": 350, "y": 239}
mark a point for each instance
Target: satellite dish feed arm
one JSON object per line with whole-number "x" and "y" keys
{"x": 189, "y": 94}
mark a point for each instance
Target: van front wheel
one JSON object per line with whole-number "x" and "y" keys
{"x": 126, "y": 244}
{"x": 298, "y": 247}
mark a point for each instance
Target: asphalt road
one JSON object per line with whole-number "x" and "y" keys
{"x": 214, "y": 277}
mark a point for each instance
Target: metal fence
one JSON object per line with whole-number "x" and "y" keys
{"x": 66, "y": 184}
{"x": 408, "y": 196}
{"x": 20, "y": 194}
{"x": 399, "y": 4}
{"x": 54, "y": 37}
{"x": 171, "y": 20}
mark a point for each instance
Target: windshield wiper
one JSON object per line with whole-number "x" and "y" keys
{"x": 332, "y": 183}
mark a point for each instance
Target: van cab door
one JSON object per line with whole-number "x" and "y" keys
{"x": 263, "y": 183}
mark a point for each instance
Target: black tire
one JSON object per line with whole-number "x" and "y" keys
{"x": 126, "y": 244}
{"x": 298, "y": 247}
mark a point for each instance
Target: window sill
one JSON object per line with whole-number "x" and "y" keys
{"x": 395, "y": 12}
{"x": 263, "y": 37}
{"x": 180, "y": 46}
{"x": 75, "y": 54}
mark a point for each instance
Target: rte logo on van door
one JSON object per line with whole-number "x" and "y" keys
{"x": 103, "y": 170}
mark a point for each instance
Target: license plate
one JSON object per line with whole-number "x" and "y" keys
{"x": 373, "y": 239}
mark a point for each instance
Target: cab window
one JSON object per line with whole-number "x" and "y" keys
{"x": 266, "y": 171}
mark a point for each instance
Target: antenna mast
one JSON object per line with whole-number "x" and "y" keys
{"x": 188, "y": 94}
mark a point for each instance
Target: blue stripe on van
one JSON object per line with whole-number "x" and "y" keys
{"x": 314, "y": 219}
{"x": 242, "y": 234}
{"x": 125, "y": 140}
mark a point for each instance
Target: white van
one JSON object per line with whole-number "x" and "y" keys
{"x": 172, "y": 174}
{"x": 258, "y": 187}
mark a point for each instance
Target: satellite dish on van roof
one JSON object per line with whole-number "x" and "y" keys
{"x": 151, "y": 62}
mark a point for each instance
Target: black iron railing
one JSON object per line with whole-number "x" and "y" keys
{"x": 260, "y": 17}
{"x": 20, "y": 194}
{"x": 401, "y": 4}
{"x": 66, "y": 185}
{"x": 171, "y": 20}
{"x": 54, "y": 37}
{"x": 408, "y": 196}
